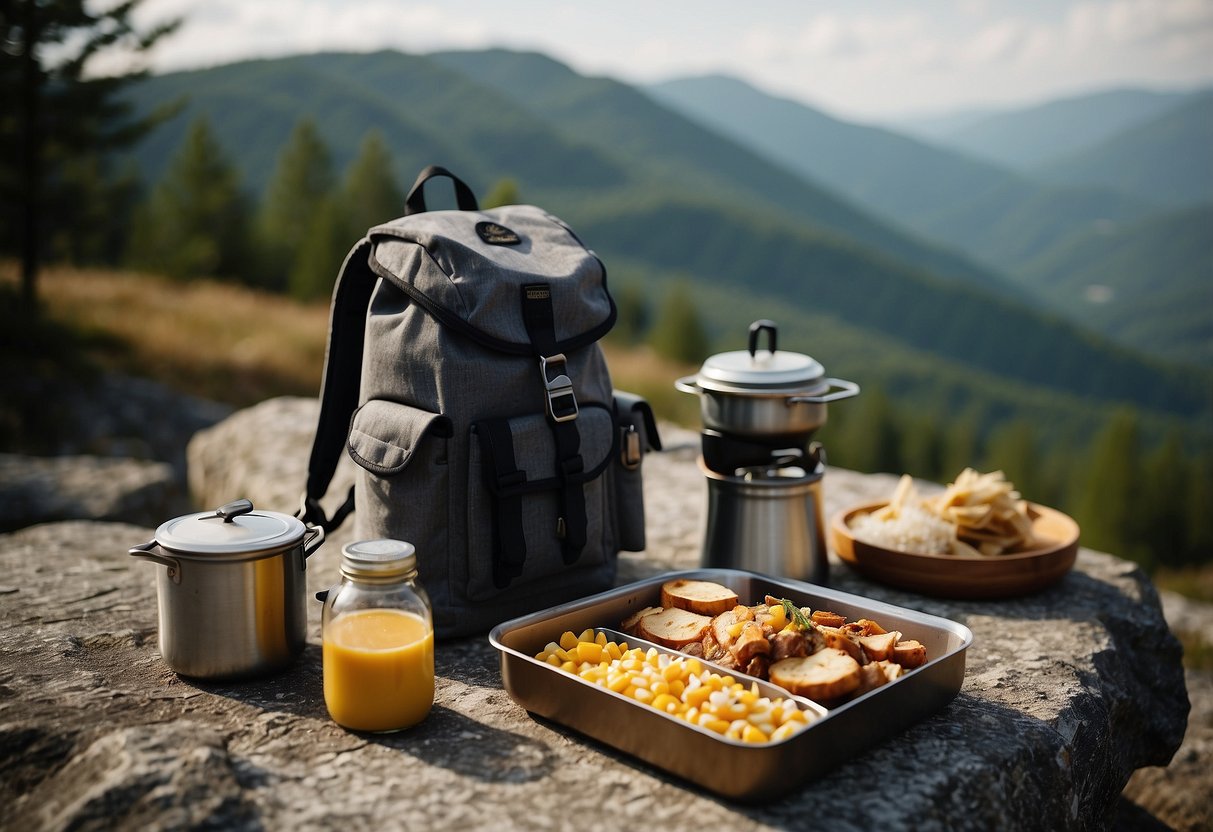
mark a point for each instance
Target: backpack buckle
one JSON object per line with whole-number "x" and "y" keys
{"x": 561, "y": 402}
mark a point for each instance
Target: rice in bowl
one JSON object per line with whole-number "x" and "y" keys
{"x": 912, "y": 530}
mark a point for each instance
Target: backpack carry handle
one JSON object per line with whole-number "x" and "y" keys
{"x": 414, "y": 203}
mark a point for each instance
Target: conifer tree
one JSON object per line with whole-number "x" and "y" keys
{"x": 678, "y": 334}
{"x": 195, "y": 221}
{"x": 505, "y": 192}
{"x": 321, "y": 253}
{"x": 1164, "y": 503}
{"x": 1012, "y": 450}
{"x": 302, "y": 180}
{"x": 54, "y": 116}
{"x": 370, "y": 193}
{"x": 632, "y": 314}
{"x": 1107, "y": 506}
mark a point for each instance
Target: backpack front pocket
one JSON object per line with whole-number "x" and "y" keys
{"x": 537, "y": 518}
{"x": 403, "y": 480}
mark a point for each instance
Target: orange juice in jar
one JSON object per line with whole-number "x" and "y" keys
{"x": 378, "y": 636}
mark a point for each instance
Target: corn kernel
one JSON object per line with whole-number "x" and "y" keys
{"x": 751, "y": 734}
{"x": 568, "y": 667}
{"x": 784, "y": 731}
{"x": 554, "y": 661}
{"x": 601, "y": 639}
{"x": 613, "y": 651}
{"x": 586, "y": 635}
{"x": 659, "y": 686}
{"x": 694, "y": 666}
{"x": 677, "y": 687}
{"x": 665, "y": 702}
{"x": 568, "y": 641}
{"x": 589, "y": 651}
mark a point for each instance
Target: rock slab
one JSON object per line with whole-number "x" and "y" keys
{"x": 1067, "y": 692}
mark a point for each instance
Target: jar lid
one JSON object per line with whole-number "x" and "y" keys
{"x": 217, "y": 533}
{"x": 378, "y": 560}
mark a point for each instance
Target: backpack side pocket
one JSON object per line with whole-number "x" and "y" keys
{"x": 637, "y": 436}
{"x": 403, "y": 486}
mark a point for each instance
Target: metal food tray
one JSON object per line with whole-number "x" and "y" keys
{"x": 737, "y": 770}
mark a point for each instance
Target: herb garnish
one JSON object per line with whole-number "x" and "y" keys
{"x": 795, "y": 615}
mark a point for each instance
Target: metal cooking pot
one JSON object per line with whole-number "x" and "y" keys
{"x": 231, "y": 590}
{"x": 764, "y": 393}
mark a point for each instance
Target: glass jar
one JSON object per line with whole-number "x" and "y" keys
{"x": 378, "y": 639}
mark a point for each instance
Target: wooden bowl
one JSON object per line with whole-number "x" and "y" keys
{"x": 960, "y": 576}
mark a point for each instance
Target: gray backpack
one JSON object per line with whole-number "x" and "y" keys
{"x": 464, "y": 377}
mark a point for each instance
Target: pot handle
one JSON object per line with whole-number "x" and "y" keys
{"x": 144, "y": 551}
{"x": 846, "y": 390}
{"x": 317, "y": 539}
{"x": 688, "y": 384}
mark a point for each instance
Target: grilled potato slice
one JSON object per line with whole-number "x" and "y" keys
{"x": 827, "y": 675}
{"x": 673, "y": 627}
{"x": 702, "y": 597}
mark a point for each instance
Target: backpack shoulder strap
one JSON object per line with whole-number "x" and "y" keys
{"x": 339, "y": 386}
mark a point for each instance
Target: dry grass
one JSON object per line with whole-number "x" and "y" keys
{"x": 211, "y": 339}
{"x": 237, "y": 345}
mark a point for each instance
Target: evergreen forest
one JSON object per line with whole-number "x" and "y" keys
{"x": 267, "y": 172}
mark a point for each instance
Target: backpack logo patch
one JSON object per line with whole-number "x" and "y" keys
{"x": 497, "y": 235}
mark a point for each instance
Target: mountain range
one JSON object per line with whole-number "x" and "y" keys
{"x": 1014, "y": 220}
{"x": 666, "y": 196}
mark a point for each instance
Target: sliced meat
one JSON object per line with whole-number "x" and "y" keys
{"x": 788, "y": 644}
{"x": 749, "y": 644}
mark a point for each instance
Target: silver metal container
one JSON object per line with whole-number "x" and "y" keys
{"x": 768, "y": 520}
{"x": 764, "y": 393}
{"x": 734, "y": 769}
{"x": 231, "y": 590}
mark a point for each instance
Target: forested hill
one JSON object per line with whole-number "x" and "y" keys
{"x": 652, "y": 188}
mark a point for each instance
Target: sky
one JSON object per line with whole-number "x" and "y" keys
{"x": 868, "y": 60}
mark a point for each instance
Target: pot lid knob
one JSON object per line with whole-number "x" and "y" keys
{"x": 230, "y": 511}
{"x": 756, "y": 329}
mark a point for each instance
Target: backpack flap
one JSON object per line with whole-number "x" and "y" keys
{"x": 384, "y": 435}
{"x": 468, "y": 269}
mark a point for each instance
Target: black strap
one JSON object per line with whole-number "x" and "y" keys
{"x": 339, "y": 385}
{"x": 509, "y": 543}
{"x": 539, "y": 317}
{"x": 414, "y": 203}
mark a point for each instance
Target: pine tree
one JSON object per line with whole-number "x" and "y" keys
{"x": 632, "y": 315}
{"x": 302, "y": 180}
{"x": 320, "y": 255}
{"x": 505, "y": 192}
{"x": 195, "y": 221}
{"x": 54, "y": 116}
{"x": 1199, "y": 517}
{"x": 678, "y": 333}
{"x": 1012, "y": 449}
{"x": 1163, "y": 507}
{"x": 370, "y": 193}
{"x": 1107, "y": 506}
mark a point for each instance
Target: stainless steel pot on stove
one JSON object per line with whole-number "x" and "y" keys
{"x": 231, "y": 590}
{"x": 764, "y": 393}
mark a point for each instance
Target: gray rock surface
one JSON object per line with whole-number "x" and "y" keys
{"x": 36, "y": 489}
{"x": 1066, "y": 693}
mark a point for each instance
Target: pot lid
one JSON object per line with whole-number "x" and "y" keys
{"x": 231, "y": 529}
{"x": 759, "y": 369}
